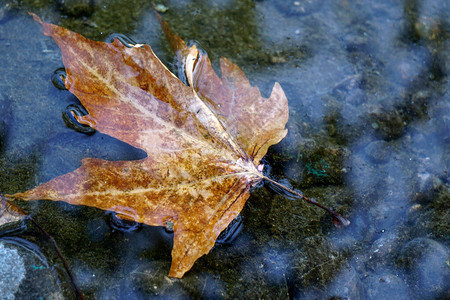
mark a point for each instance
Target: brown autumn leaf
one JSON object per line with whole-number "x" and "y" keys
{"x": 204, "y": 142}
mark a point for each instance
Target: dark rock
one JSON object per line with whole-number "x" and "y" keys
{"x": 382, "y": 249}
{"x": 390, "y": 125}
{"x": 385, "y": 285}
{"x": 426, "y": 263}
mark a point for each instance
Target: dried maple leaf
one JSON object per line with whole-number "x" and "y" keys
{"x": 197, "y": 174}
{"x": 204, "y": 142}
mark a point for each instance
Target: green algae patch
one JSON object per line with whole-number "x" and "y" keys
{"x": 323, "y": 165}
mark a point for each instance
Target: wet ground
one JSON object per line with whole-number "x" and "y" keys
{"x": 369, "y": 135}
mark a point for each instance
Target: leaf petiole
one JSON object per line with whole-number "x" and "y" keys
{"x": 338, "y": 220}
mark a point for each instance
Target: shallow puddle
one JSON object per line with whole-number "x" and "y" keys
{"x": 369, "y": 134}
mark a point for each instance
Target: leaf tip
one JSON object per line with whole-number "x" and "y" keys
{"x": 340, "y": 221}
{"x": 35, "y": 17}
{"x": 176, "y": 43}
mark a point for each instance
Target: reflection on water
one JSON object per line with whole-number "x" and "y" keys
{"x": 58, "y": 77}
{"x": 122, "y": 225}
{"x": 368, "y": 136}
{"x": 69, "y": 114}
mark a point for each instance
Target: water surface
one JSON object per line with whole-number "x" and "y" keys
{"x": 367, "y": 85}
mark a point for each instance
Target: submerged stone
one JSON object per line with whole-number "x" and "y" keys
{"x": 25, "y": 273}
{"x": 12, "y": 271}
{"x": 426, "y": 262}
{"x": 386, "y": 285}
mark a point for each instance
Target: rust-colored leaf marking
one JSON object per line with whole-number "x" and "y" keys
{"x": 204, "y": 141}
